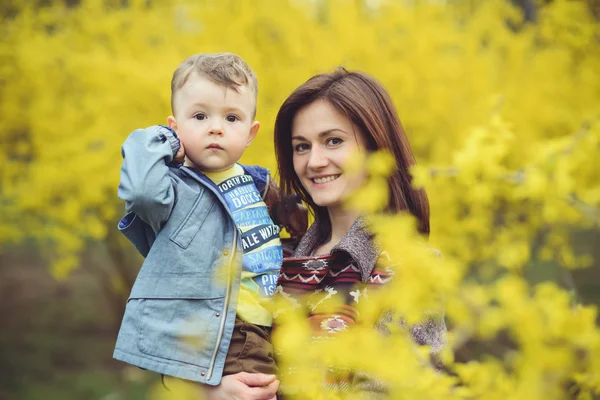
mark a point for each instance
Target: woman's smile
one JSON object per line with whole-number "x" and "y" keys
{"x": 325, "y": 178}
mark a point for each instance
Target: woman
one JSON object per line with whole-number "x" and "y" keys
{"x": 323, "y": 123}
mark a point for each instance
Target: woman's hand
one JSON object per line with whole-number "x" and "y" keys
{"x": 293, "y": 216}
{"x": 244, "y": 386}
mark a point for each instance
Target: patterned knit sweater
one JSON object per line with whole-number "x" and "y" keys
{"x": 349, "y": 271}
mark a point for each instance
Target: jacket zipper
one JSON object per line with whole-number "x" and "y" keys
{"x": 229, "y": 277}
{"x": 225, "y": 306}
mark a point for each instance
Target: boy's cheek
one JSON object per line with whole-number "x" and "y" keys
{"x": 183, "y": 138}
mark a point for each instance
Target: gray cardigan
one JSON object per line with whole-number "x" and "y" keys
{"x": 360, "y": 245}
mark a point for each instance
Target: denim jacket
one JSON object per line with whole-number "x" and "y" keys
{"x": 180, "y": 314}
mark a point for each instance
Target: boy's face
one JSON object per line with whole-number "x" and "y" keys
{"x": 214, "y": 123}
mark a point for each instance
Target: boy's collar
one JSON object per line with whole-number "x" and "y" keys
{"x": 259, "y": 174}
{"x": 220, "y": 176}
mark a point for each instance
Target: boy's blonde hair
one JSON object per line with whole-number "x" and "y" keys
{"x": 226, "y": 69}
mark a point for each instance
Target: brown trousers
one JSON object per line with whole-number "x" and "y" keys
{"x": 250, "y": 349}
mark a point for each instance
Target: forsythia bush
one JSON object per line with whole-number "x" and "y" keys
{"x": 504, "y": 118}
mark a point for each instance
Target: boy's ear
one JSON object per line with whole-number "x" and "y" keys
{"x": 253, "y": 131}
{"x": 172, "y": 122}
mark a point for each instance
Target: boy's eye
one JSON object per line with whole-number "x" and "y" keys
{"x": 301, "y": 147}
{"x": 334, "y": 141}
{"x": 232, "y": 118}
{"x": 200, "y": 117}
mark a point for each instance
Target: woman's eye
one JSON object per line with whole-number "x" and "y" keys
{"x": 200, "y": 117}
{"x": 300, "y": 147}
{"x": 334, "y": 141}
{"x": 232, "y": 118}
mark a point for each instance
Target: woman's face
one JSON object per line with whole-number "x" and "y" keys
{"x": 322, "y": 141}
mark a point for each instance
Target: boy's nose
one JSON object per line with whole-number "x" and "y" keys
{"x": 216, "y": 128}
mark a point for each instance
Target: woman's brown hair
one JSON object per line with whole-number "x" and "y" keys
{"x": 366, "y": 103}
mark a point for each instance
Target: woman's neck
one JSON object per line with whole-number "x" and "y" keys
{"x": 341, "y": 220}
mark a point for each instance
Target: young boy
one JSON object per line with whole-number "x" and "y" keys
{"x": 201, "y": 305}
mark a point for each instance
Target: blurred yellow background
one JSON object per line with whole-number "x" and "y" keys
{"x": 500, "y": 100}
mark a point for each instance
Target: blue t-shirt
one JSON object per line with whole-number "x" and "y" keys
{"x": 263, "y": 254}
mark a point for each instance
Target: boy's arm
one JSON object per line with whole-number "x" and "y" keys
{"x": 145, "y": 184}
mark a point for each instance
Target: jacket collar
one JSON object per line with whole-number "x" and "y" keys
{"x": 358, "y": 243}
{"x": 259, "y": 174}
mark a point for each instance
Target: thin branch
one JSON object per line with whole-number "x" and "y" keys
{"x": 519, "y": 177}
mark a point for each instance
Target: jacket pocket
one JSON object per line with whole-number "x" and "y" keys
{"x": 185, "y": 330}
{"x": 202, "y": 206}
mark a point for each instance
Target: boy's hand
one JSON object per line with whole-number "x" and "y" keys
{"x": 180, "y": 156}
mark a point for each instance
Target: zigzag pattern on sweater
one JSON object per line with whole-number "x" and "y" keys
{"x": 318, "y": 279}
{"x": 314, "y": 278}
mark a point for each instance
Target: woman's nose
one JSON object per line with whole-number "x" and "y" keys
{"x": 317, "y": 159}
